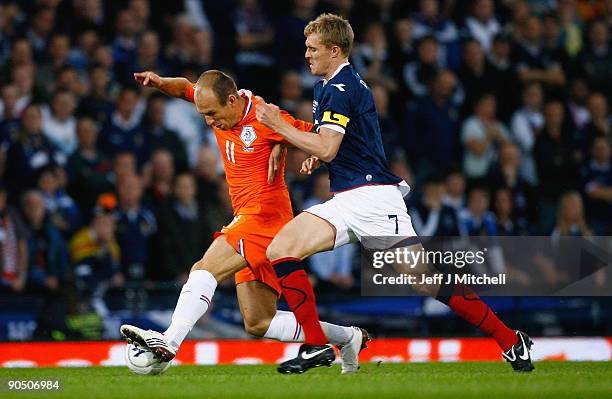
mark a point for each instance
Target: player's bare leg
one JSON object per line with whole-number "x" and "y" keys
{"x": 218, "y": 263}
{"x": 303, "y": 236}
{"x": 261, "y": 319}
{"x": 515, "y": 345}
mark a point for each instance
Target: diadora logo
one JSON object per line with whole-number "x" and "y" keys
{"x": 314, "y": 106}
{"x": 248, "y": 135}
{"x": 339, "y": 86}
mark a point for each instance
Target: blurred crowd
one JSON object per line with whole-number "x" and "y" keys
{"x": 496, "y": 112}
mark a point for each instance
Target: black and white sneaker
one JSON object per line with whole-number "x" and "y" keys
{"x": 309, "y": 356}
{"x": 152, "y": 340}
{"x": 519, "y": 356}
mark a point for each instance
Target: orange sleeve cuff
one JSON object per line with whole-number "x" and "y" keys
{"x": 190, "y": 92}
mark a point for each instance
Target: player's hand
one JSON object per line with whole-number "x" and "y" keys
{"x": 276, "y": 156}
{"x": 310, "y": 164}
{"x": 148, "y": 79}
{"x": 269, "y": 114}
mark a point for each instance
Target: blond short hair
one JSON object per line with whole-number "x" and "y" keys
{"x": 334, "y": 31}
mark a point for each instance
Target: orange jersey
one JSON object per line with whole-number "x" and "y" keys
{"x": 245, "y": 149}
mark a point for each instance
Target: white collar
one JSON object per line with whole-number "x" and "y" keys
{"x": 337, "y": 72}
{"x": 249, "y": 95}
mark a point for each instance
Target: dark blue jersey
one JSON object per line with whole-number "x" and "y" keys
{"x": 345, "y": 104}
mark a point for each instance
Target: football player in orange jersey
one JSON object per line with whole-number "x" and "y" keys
{"x": 261, "y": 207}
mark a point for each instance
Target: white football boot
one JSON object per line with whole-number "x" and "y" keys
{"x": 349, "y": 353}
{"x": 153, "y": 340}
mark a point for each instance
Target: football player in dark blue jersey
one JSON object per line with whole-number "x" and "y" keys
{"x": 368, "y": 201}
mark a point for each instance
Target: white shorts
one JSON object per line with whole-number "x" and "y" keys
{"x": 370, "y": 211}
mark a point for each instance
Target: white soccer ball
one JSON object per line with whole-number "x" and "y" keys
{"x": 142, "y": 361}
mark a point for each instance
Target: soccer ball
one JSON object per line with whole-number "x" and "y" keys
{"x": 142, "y": 361}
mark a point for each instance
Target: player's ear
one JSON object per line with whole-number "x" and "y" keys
{"x": 336, "y": 51}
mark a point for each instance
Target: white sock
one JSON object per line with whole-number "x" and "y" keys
{"x": 193, "y": 302}
{"x": 285, "y": 328}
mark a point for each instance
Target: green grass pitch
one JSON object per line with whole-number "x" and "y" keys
{"x": 417, "y": 380}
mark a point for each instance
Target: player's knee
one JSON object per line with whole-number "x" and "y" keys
{"x": 201, "y": 265}
{"x": 275, "y": 250}
{"x": 257, "y": 328}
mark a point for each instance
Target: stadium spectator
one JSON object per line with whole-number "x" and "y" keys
{"x": 9, "y": 121}
{"x": 207, "y": 177}
{"x": 503, "y": 77}
{"x": 82, "y": 54}
{"x": 13, "y": 247}
{"x": 576, "y": 107}
{"x": 476, "y": 219}
{"x": 596, "y": 177}
{"x": 182, "y": 117}
{"x": 437, "y": 115}
{"x": 482, "y": 135}
{"x": 136, "y": 225}
{"x": 289, "y": 46}
{"x": 123, "y": 131}
{"x": 158, "y": 179}
{"x": 596, "y": 58}
{"x": 47, "y": 253}
{"x": 68, "y": 79}
{"x": 126, "y": 40}
{"x": 507, "y": 222}
{"x": 534, "y": 63}
{"x": 184, "y": 232}
{"x": 454, "y": 187}
{"x": 570, "y": 35}
{"x": 389, "y": 129}
{"x": 9, "y": 111}
{"x": 97, "y": 103}
{"x": 557, "y": 160}
{"x": 401, "y": 47}
{"x": 29, "y": 153}
{"x": 43, "y": 22}
{"x": 57, "y": 56}
{"x": 570, "y": 218}
{"x": 23, "y": 77}
{"x": 159, "y": 136}
{"x": 429, "y": 21}
{"x": 180, "y": 49}
{"x": 254, "y": 37}
{"x": 59, "y": 123}
{"x": 475, "y": 74}
{"x": 141, "y": 13}
{"x": 526, "y": 125}
{"x": 20, "y": 54}
{"x": 61, "y": 209}
{"x": 332, "y": 268}
{"x": 147, "y": 57}
{"x": 124, "y": 164}
{"x": 601, "y": 121}
{"x": 481, "y": 24}
{"x": 88, "y": 169}
{"x": 370, "y": 58}
{"x": 419, "y": 74}
{"x": 291, "y": 91}
{"x": 430, "y": 217}
{"x": 95, "y": 254}
{"x": 505, "y": 174}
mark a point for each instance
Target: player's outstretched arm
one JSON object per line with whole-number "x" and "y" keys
{"x": 174, "y": 87}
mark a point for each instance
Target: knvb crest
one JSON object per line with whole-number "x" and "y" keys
{"x": 248, "y": 135}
